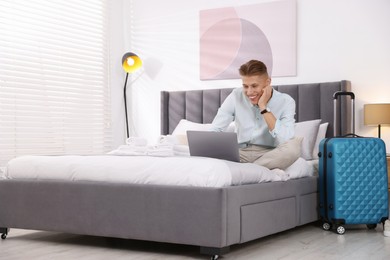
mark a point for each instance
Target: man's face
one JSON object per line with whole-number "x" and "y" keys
{"x": 253, "y": 87}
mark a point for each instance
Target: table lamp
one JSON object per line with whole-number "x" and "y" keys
{"x": 130, "y": 63}
{"x": 377, "y": 114}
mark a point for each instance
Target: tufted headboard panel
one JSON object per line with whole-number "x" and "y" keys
{"x": 313, "y": 101}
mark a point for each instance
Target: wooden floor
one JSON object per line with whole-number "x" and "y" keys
{"x": 307, "y": 242}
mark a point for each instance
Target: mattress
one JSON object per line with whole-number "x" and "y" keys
{"x": 173, "y": 170}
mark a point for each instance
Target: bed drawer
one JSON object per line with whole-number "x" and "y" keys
{"x": 308, "y": 208}
{"x": 262, "y": 219}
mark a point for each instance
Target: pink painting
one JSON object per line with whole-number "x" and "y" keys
{"x": 232, "y": 36}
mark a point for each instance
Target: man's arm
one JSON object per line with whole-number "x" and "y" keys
{"x": 225, "y": 115}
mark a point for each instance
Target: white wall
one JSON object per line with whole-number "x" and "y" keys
{"x": 337, "y": 39}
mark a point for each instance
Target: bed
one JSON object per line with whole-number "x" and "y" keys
{"x": 211, "y": 218}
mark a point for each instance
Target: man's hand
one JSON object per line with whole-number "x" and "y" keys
{"x": 265, "y": 97}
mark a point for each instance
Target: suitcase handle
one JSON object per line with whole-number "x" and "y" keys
{"x": 335, "y": 99}
{"x": 343, "y": 93}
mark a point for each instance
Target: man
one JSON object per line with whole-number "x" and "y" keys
{"x": 264, "y": 119}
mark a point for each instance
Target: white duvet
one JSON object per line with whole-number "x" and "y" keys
{"x": 174, "y": 170}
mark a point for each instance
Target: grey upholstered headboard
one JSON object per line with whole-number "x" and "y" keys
{"x": 313, "y": 101}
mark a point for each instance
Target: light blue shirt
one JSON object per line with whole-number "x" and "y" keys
{"x": 250, "y": 124}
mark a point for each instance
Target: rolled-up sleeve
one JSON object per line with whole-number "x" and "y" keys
{"x": 284, "y": 128}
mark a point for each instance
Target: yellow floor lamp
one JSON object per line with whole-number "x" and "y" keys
{"x": 130, "y": 63}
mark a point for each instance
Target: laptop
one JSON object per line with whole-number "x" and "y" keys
{"x": 219, "y": 145}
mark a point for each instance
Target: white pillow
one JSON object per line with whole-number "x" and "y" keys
{"x": 185, "y": 125}
{"x": 180, "y": 131}
{"x": 308, "y": 130}
{"x": 321, "y": 135}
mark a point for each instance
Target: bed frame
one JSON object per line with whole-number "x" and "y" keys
{"x": 211, "y": 218}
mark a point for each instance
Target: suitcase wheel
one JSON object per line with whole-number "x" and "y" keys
{"x": 326, "y": 226}
{"x": 371, "y": 226}
{"x": 4, "y": 232}
{"x": 340, "y": 230}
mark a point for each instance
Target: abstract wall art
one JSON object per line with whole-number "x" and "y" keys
{"x": 232, "y": 36}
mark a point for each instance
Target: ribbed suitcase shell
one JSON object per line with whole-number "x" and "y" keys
{"x": 353, "y": 180}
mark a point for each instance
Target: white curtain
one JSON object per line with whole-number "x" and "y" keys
{"x": 54, "y": 80}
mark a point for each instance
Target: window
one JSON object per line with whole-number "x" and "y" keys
{"x": 54, "y": 83}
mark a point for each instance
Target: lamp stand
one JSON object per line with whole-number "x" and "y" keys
{"x": 379, "y": 131}
{"x": 125, "y": 99}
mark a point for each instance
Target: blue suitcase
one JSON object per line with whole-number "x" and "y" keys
{"x": 353, "y": 183}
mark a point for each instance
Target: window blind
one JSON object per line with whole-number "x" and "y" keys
{"x": 54, "y": 90}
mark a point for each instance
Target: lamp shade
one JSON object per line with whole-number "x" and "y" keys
{"x": 131, "y": 62}
{"x": 376, "y": 114}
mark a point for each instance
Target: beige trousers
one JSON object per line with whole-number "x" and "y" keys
{"x": 280, "y": 157}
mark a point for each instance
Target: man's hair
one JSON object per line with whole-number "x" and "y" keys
{"x": 253, "y": 68}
